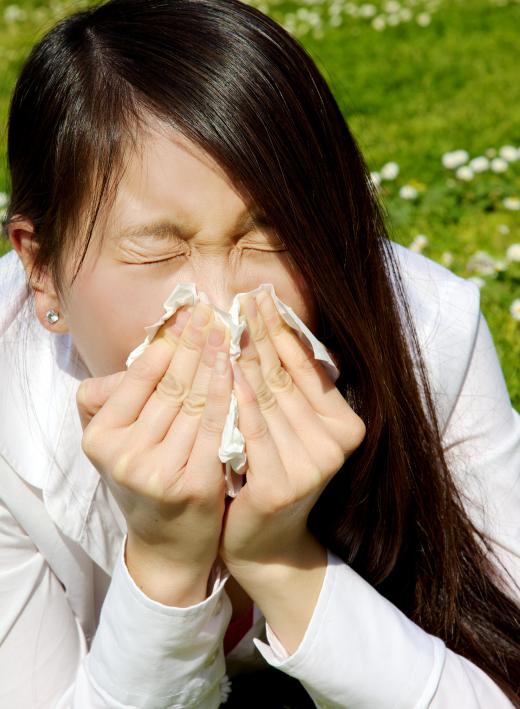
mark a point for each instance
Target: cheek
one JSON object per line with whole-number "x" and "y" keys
{"x": 107, "y": 313}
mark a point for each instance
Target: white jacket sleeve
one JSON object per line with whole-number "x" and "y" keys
{"x": 360, "y": 651}
{"x": 144, "y": 654}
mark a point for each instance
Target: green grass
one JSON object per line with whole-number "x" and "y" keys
{"x": 410, "y": 94}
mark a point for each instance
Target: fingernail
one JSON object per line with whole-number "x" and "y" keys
{"x": 221, "y": 362}
{"x": 201, "y": 315}
{"x": 216, "y": 336}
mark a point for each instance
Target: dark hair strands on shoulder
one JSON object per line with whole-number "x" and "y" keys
{"x": 234, "y": 82}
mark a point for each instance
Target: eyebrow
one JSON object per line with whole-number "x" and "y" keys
{"x": 172, "y": 230}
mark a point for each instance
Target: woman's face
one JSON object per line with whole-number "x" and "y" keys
{"x": 175, "y": 218}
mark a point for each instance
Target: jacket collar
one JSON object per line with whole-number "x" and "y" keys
{"x": 41, "y": 430}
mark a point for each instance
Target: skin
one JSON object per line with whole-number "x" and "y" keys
{"x": 288, "y": 408}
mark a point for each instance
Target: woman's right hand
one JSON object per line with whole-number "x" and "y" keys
{"x": 153, "y": 433}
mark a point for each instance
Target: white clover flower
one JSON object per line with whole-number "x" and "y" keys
{"x": 423, "y": 19}
{"x": 379, "y": 23}
{"x": 376, "y": 178}
{"x": 514, "y": 309}
{"x": 389, "y": 171}
{"x": 503, "y": 229}
{"x": 4, "y": 198}
{"x": 455, "y": 159}
{"x": 480, "y": 282}
{"x": 447, "y": 258}
{"x": 367, "y": 10}
{"x": 225, "y": 689}
{"x": 464, "y": 173}
{"x": 513, "y": 253}
{"x": 482, "y": 263}
{"x": 418, "y": 244}
{"x": 14, "y": 13}
{"x": 499, "y": 165}
{"x": 479, "y": 164}
{"x": 408, "y": 192}
{"x": 392, "y": 6}
{"x": 511, "y": 203}
{"x": 509, "y": 153}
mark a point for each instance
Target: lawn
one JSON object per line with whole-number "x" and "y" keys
{"x": 430, "y": 90}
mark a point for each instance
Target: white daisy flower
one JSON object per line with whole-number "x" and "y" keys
{"x": 379, "y": 23}
{"x": 447, "y": 258}
{"x": 392, "y": 6}
{"x": 513, "y": 253}
{"x": 511, "y": 203}
{"x": 418, "y": 244}
{"x": 503, "y": 229}
{"x": 408, "y": 192}
{"x": 480, "y": 282}
{"x": 479, "y": 164}
{"x": 376, "y": 178}
{"x": 4, "y": 198}
{"x": 455, "y": 159}
{"x": 509, "y": 153}
{"x": 389, "y": 171}
{"x": 423, "y": 19}
{"x": 499, "y": 165}
{"x": 393, "y": 20}
{"x": 465, "y": 173}
{"x": 514, "y": 309}
{"x": 482, "y": 263}
{"x": 367, "y": 10}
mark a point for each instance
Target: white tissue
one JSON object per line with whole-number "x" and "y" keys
{"x": 232, "y": 446}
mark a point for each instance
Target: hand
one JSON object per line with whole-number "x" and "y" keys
{"x": 298, "y": 432}
{"x": 153, "y": 433}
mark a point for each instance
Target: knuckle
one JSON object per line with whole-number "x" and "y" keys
{"x": 259, "y": 332}
{"x": 307, "y": 363}
{"x": 265, "y": 397}
{"x": 172, "y": 389}
{"x": 193, "y": 404}
{"x": 334, "y": 458}
{"x": 144, "y": 369}
{"x": 257, "y": 431}
{"x": 83, "y": 392}
{"x": 279, "y": 378}
{"x": 211, "y": 425}
{"x": 90, "y": 440}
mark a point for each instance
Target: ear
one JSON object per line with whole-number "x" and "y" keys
{"x": 23, "y": 239}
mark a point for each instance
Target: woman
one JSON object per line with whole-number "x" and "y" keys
{"x": 373, "y": 553}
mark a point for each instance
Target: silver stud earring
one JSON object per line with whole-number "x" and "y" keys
{"x": 52, "y": 316}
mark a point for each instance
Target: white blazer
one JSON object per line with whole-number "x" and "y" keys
{"x": 76, "y": 632}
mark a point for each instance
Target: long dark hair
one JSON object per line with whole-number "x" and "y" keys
{"x": 234, "y": 82}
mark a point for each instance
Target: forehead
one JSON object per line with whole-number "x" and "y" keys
{"x": 168, "y": 175}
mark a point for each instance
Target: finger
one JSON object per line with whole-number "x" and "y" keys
{"x": 321, "y": 445}
{"x": 204, "y": 466}
{"x": 181, "y": 433}
{"x": 177, "y": 384}
{"x": 133, "y": 391}
{"x": 266, "y": 424}
{"x": 92, "y": 394}
{"x": 298, "y": 359}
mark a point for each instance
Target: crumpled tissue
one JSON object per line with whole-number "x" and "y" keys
{"x": 232, "y": 445}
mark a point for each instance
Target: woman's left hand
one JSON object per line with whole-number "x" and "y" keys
{"x": 298, "y": 432}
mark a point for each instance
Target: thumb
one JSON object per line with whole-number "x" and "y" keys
{"x": 93, "y": 392}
